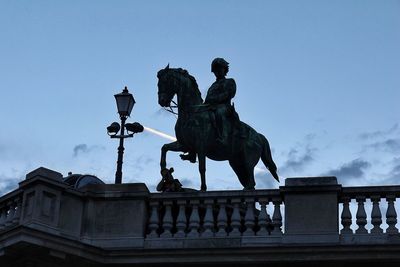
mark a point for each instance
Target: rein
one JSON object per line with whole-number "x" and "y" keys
{"x": 170, "y": 108}
{"x": 192, "y": 109}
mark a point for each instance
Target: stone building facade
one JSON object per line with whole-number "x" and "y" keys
{"x": 307, "y": 222}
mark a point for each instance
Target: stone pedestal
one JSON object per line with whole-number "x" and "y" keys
{"x": 41, "y": 199}
{"x": 115, "y": 215}
{"x": 311, "y": 210}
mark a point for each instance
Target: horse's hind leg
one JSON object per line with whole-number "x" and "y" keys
{"x": 174, "y": 146}
{"x": 245, "y": 173}
{"x": 202, "y": 170}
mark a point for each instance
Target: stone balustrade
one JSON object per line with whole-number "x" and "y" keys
{"x": 10, "y": 210}
{"x": 310, "y": 207}
{"x": 215, "y": 214}
{"x": 377, "y": 196}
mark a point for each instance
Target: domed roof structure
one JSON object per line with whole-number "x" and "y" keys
{"x": 81, "y": 180}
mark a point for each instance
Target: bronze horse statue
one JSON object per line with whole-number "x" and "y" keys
{"x": 195, "y": 133}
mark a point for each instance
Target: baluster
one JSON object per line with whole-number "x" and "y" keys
{"x": 235, "y": 220}
{"x": 194, "y": 221}
{"x": 376, "y": 215}
{"x": 208, "y": 219}
{"x": 346, "y": 216}
{"x": 3, "y": 216}
{"x": 277, "y": 217}
{"x": 391, "y": 215}
{"x": 18, "y": 204}
{"x": 263, "y": 218}
{"x": 11, "y": 213}
{"x": 167, "y": 223}
{"x": 222, "y": 219}
{"x": 153, "y": 222}
{"x": 361, "y": 216}
{"x": 249, "y": 218}
{"x": 181, "y": 219}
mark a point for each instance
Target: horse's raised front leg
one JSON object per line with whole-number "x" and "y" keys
{"x": 174, "y": 146}
{"x": 202, "y": 170}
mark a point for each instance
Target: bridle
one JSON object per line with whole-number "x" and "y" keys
{"x": 171, "y": 108}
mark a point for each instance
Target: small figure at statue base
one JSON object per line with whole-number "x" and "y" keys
{"x": 169, "y": 184}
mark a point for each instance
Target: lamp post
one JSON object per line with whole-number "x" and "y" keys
{"x": 125, "y": 103}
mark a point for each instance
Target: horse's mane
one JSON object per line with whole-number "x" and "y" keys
{"x": 181, "y": 72}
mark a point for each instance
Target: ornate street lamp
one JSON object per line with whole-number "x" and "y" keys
{"x": 125, "y": 103}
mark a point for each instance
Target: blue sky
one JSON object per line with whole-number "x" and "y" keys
{"x": 320, "y": 79}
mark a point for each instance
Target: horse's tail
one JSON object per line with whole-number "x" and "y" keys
{"x": 266, "y": 157}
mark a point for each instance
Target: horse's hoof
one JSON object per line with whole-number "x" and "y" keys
{"x": 249, "y": 188}
{"x": 203, "y": 188}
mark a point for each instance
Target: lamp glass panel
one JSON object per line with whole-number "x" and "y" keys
{"x": 125, "y": 103}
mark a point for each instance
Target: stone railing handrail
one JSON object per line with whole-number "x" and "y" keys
{"x": 9, "y": 195}
{"x": 217, "y": 194}
{"x": 368, "y": 191}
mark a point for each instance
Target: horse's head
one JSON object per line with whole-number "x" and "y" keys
{"x": 177, "y": 81}
{"x": 166, "y": 90}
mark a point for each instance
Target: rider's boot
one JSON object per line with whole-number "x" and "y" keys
{"x": 220, "y": 133}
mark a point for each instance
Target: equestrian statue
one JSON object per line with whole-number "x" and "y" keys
{"x": 211, "y": 128}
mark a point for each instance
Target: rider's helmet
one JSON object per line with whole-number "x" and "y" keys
{"x": 219, "y": 62}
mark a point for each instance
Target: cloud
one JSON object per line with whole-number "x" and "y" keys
{"x": 394, "y": 174}
{"x": 389, "y": 145}
{"x": 84, "y": 149}
{"x": 142, "y": 163}
{"x": 8, "y": 184}
{"x": 353, "y": 169}
{"x": 297, "y": 161}
{"x": 81, "y": 148}
{"x": 144, "y": 160}
{"x": 187, "y": 182}
{"x": 396, "y": 170}
{"x": 377, "y": 134}
{"x": 265, "y": 180}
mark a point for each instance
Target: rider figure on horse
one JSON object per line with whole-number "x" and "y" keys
{"x": 222, "y": 112}
{"x": 219, "y": 97}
